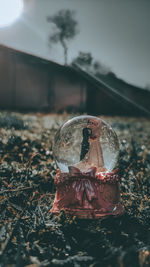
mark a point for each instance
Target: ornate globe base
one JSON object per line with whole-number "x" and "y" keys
{"x": 87, "y": 195}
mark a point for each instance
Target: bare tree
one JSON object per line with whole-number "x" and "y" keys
{"x": 67, "y": 29}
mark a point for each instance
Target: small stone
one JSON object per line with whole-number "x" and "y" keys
{"x": 34, "y": 172}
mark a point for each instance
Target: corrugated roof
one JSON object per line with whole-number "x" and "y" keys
{"x": 111, "y": 91}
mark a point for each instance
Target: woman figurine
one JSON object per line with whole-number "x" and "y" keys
{"x": 91, "y": 151}
{"x": 95, "y": 156}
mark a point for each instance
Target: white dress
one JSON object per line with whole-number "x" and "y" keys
{"x": 94, "y": 157}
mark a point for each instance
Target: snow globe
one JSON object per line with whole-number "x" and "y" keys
{"x": 86, "y": 150}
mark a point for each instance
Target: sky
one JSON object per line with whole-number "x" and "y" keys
{"x": 116, "y": 32}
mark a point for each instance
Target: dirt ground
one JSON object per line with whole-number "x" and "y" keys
{"x": 31, "y": 236}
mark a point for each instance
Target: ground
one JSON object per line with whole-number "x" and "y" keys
{"x": 31, "y": 236}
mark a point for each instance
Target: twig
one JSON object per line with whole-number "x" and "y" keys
{"x": 41, "y": 214}
{"x": 17, "y": 190}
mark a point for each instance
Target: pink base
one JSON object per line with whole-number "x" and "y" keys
{"x": 86, "y": 195}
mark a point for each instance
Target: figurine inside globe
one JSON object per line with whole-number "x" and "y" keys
{"x": 85, "y": 142}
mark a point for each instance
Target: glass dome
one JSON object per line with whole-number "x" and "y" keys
{"x": 85, "y": 142}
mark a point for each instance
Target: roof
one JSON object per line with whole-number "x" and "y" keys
{"x": 113, "y": 92}
{"x": 27, "y": 54}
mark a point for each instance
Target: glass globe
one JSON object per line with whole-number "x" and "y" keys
{"x": 85, "y": 142}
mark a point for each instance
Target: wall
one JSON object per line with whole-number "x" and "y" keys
{"x": 27, "y": 83}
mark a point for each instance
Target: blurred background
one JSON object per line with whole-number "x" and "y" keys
{"x": 75, "y": 56}
{"x": 58, "y": 59}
